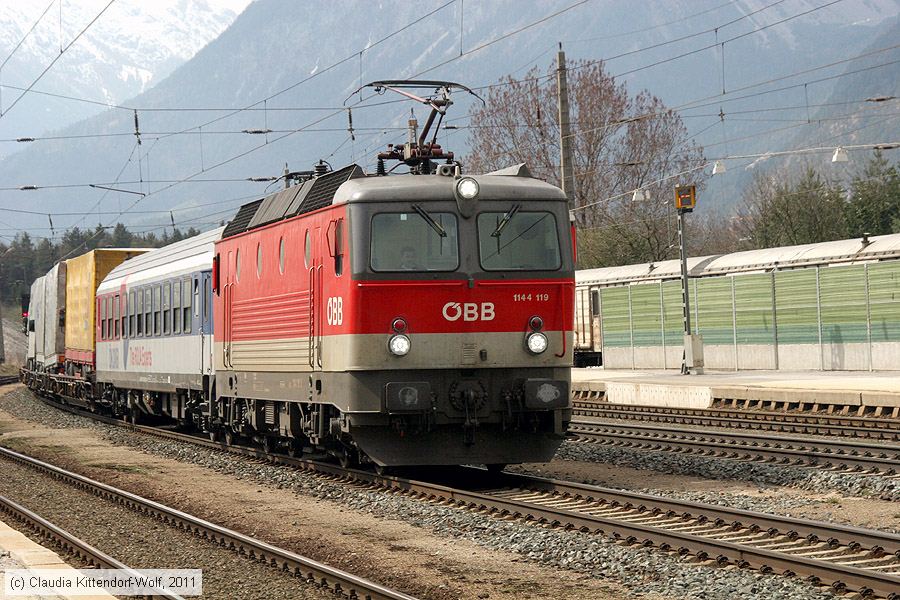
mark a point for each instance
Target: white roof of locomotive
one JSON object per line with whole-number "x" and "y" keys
{"x": 186, "y": 256}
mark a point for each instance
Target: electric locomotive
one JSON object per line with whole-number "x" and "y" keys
{"x": 399, "y": 320}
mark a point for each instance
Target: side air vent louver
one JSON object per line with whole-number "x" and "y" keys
{"x": 321, "y": 193}
{"x": 241, "y": 220}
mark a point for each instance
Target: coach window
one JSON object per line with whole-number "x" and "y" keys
{"x": 176, "y": 307}
{"x": 102, "y": 318}
{"x": 157, "y": 325}
{"x": 117, "y": 303}
{"x": 207, "y": 298}
{"x": 131, "y": 313}
{"x": 307, "y": 249}
{"x": 237, "y": 265}
{"x": 167, "y": 308}
{"x": 186, "y": 305}
{"x": 197, "y": 298}
{"x": 414, "y": 241}
{"x": 281, "y": 256}
{"x": 139, "y": 313}
{"x": 148, "y": 311}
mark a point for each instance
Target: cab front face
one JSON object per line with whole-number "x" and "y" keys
{"x": 492, "y": 290}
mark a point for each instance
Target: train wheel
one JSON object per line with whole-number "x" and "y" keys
{"x": 135, "y": 416}
{"x": 347, "y": 458}
{"x": 269, "y": 445}
{"x": 294, "y": 449}
{"x": 229, "y": 437}
{"x": 495, "y": 468}
{"x": 214, "y": 435}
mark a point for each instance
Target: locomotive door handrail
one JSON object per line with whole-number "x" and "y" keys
{"x": 310, "y": 338}
{"x": 319, "y": 309}
{"x": 227, "y": 294}
{"x": 314, "y": 345}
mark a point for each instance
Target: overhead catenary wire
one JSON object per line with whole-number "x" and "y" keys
{"x": 62, "y": 52}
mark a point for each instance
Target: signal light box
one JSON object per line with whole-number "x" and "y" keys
{"x": 685, "y": 197}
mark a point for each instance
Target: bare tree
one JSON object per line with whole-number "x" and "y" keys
{"x": 620, "y": 143}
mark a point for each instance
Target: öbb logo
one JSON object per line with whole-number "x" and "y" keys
{"x": 469, "y": 311}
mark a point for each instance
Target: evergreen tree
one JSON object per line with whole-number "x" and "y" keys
{"x": 875, "y": 202}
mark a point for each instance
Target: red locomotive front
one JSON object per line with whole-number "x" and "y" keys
{"x": 400, "y": 320}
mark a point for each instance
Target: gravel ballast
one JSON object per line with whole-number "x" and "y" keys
{"x": 642, "y": 571}
{"x": 865, "y": 486}
{"x": 140, "y": 541}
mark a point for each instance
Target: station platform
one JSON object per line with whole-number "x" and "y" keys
{"x": 18, "y": 551}
{"x": 842, "y": 392}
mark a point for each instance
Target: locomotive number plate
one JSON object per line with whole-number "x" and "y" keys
{"x": 531, "y": 297}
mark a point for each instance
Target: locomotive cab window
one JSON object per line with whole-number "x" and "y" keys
{"x": 518, "y": 241}
{"x": 414, "y": 241}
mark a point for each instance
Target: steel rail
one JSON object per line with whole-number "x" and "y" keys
{"x": 70, "y": 543}
{"x": 341, "y": 582}
{"x": 878, "y": 459}
{"x": 846, "y": 558}
{"x": 782, "y": 421}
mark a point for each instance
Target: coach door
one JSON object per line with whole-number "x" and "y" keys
{"x": 206, "y": 340}
{"x": 314, "y": 263}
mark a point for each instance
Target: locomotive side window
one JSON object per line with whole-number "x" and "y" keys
{"x": 237, "y": 265}
{"x": 339, "y": 247}
{"x": 259, "y": 252}
{"x": 518, "y": 241}
{"x": 281, "y": 256}
{"x": 413, "y": 241}
{"x": 307, "y": 249}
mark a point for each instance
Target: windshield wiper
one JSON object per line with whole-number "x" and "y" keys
{"x": 430, "y": 220}
{"x": 505, "y": 220}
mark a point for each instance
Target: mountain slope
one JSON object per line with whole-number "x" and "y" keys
{"x": 272, "y": 46}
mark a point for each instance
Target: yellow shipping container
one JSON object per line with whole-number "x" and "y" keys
{"x": 83, "y": 275}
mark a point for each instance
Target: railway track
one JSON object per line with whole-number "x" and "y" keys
{"x": 850, "y": 456}
{"x": 844, "y": 558}
{"x": 881, "y": 428}
{"x": 343, "y": 584}
{"x": 8, "y": 379}
{"x": 64, "y": 540}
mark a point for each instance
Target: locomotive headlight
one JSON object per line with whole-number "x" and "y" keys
{"x": 536, "y": 342}
{"x": 467, "y": 188}
{"x": 399, "y": 345}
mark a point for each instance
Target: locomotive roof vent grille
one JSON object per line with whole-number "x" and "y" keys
{"x": 241, "y": 221}
{"x": 321, "y": 192}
